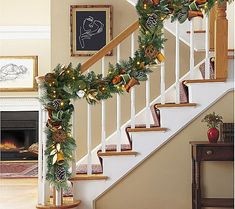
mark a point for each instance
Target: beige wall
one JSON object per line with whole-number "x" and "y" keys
{"x": 163, "y": 181}
{"x": 26, "y": 13}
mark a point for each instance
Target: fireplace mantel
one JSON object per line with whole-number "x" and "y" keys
{"x": 19, "y": 104}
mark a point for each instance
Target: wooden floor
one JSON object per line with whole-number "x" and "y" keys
{"x": 18, "y": 193}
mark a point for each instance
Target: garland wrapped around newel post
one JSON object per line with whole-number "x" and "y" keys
{"x": 66, "y": 83}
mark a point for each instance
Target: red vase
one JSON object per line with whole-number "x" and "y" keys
{"x": 213, "y": 135}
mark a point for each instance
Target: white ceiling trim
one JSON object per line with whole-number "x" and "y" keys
{"x": 25, "y": 32}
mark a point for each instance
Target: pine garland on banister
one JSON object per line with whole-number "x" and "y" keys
{"x": 66, "y": 83}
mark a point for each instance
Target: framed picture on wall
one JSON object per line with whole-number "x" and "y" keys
{"x": 91, "y": 28}
{"x": 17, "y": 73}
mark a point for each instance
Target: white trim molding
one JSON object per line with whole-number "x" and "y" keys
{"x": 19, "y": 104}
{"x": 25, "y": 32}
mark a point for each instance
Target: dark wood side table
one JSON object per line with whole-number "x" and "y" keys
{"x": 205, "y": 151}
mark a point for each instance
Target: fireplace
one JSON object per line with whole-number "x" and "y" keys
{"x": 19, "y": 135}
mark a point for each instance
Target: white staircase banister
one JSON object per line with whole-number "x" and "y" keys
{"x": 133, "y": 88}
{"x": 177, "y": 64}
{"x": 191, "y": 49}
{"x": 207, "y": 60}
{"x": 118, "y": 109}
{"x": 103, "y": 113}
{"x": 89, "y": 140}
{"x": 45, "y": 183}
{"x": 147, "y": 108}
{"x": 163, "y": 84}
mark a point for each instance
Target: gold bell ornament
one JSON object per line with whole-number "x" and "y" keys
{"x": 60, "y": 158}
{"x": 160, "y": 57}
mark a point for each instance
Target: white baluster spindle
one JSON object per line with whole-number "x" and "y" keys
{"x": 133, "y": 88}
{"x": 45, "y": 184}
{"x": 147, "y": 116}
{"x": 191, "y": 49}
{"x": 200, "y": 24}
{"x": 40, "y": 154}
{"x": 73, "y": 120}
{"x": 89, "y": 159}
{"x": 89, "y": 140}
{"x": 163, "y": 84}
{"x": 118, "y": 110}
{"x": 177, "y": 65}
{"x": 58, "y": 197}
{"x": 207, "y": 60}
{"x": 103, "y": 114}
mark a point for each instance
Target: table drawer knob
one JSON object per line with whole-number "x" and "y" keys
{"x": 209, "y": 152}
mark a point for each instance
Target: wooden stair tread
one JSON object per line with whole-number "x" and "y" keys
{"x": 204, "y": 80}
{"x": 175, "y": 105}
{"x": 196, "y": 31}
{"x": 142, "y": 129}
{"x": 229, "y": 50}
{"x": 114, "y": 153}
{"x": 66, "y": 204}
{"x": 88, "y": 177}
{"x": 217, "y": 202}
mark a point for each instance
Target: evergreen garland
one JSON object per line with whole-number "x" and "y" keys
{"x": 66, "y": 83}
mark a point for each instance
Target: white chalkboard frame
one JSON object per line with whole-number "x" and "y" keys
{"x": 80, "y": 37}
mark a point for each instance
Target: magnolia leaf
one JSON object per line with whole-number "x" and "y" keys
{"x": 57, "y": 116}
{"x": 58, "y": 147}
{"x": 53, "y": 152}
{"x": 60, "y": 114}
{"x": 54, "y": 159}
{"x": 68, "y": 89}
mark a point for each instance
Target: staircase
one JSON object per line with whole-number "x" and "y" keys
{"x": 148, "y": 130}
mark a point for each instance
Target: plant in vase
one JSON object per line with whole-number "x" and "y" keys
{"x": 213, "y": 122}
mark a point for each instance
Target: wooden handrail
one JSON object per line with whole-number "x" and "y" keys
{"x": 221, "y": 41}
{"x": 111, "y": 45}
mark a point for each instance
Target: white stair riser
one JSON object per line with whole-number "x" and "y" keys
{"x": 173, "y": 118}
{"x": 197, "y": 92}
{"x": 112, "y": 163}
{"x": 147, "y": 142}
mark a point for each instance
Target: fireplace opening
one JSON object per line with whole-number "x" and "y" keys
{"x": 19, "y": 135}
{"x": 12, "y": 140}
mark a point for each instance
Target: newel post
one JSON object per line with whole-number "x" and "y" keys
{"x": 221, "y": 41}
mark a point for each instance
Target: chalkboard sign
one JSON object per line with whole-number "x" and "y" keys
{"x": 91, "y": 28}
